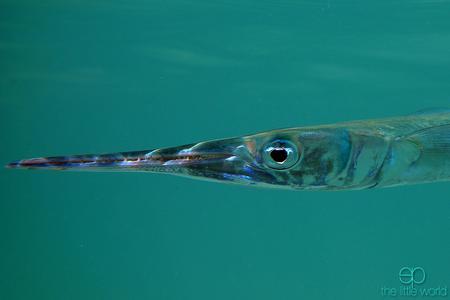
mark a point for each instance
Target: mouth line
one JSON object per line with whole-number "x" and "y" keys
{"x": 188, "y": 157}
{"x": 139, "y": 160}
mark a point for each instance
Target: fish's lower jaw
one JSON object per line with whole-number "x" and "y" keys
{"x": 23, "y": 164}
{"x": 13, "y": 165}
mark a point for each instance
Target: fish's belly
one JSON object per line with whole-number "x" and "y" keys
{"x": 409, "y": 167}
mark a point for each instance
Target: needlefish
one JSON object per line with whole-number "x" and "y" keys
{"x": 353, "y": 155}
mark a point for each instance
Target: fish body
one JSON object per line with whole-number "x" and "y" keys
{"x": 345, "y": 156}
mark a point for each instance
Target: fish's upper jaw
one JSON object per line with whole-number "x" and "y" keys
{"x": 82, "y": 162}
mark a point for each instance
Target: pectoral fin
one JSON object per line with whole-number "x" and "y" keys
{"x": 433, "y": 140}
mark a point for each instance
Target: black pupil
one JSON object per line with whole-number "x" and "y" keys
{"x": 279, "y": 155}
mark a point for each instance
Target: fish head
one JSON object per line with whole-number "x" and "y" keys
{"x": 290, "y": 158}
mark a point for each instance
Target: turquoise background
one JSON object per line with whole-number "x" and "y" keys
{"x": 104, "y": 76}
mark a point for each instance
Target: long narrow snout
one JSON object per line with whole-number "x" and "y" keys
{"x": 159, "y": 160}
{"x": 226, "y": 160}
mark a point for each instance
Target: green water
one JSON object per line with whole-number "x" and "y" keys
{"x": 103, "y": 76}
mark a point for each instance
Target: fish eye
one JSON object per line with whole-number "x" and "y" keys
{"x": 280, "y": 154}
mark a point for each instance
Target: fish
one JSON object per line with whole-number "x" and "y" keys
{"x": 355, "y": 155}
